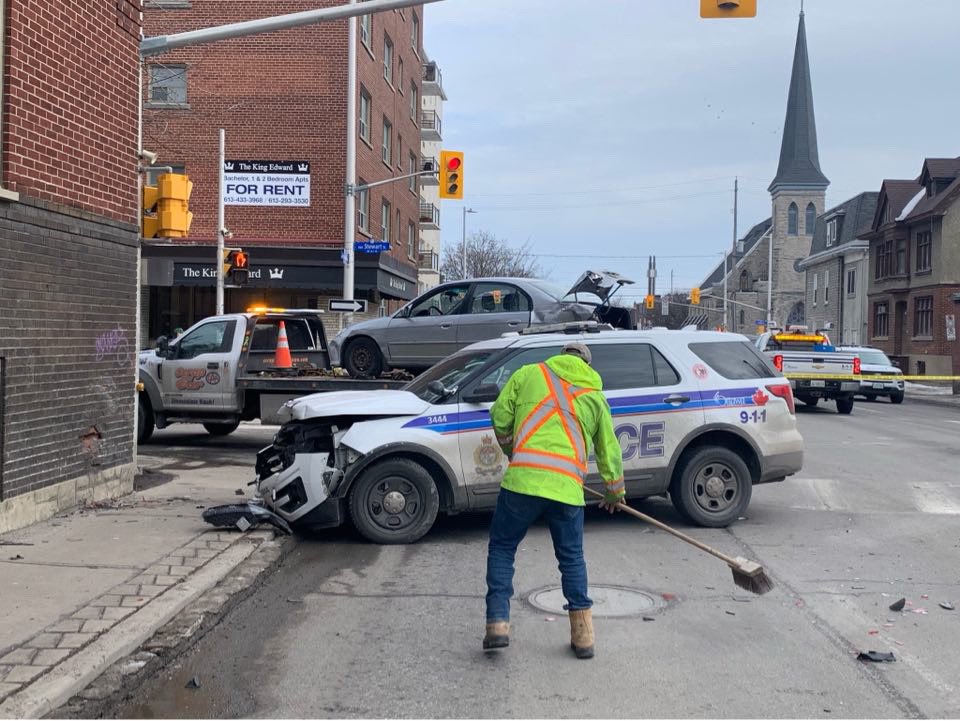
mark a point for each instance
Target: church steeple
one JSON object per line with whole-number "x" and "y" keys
{"x": 799, "y": 166}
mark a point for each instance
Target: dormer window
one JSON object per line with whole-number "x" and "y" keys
{"x": 831, "y": 232}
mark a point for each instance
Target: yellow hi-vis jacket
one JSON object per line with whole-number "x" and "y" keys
{"x": 546, "y": 419}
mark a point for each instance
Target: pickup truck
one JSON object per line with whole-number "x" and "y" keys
{"x": 797, "y": 354}
{"x": 221, "y": 371}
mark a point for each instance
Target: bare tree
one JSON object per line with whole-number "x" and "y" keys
{"x": 489, "y": 256}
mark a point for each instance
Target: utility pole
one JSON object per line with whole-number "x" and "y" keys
{"x": 726, "y": 254}
{"x": 221, "y": 222}
{"x": 464, "y": 246}
{"x": 769, "y": 317}
{"x": 349, "y": 200}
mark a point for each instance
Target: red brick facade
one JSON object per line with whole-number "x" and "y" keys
{"x": 280, "y": 96}
{"x": 70, "y": 103}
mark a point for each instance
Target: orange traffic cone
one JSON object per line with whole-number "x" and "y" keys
{"x": 282, "y": 359}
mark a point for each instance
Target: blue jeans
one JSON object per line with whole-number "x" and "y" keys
{"x": 514, "y": 515}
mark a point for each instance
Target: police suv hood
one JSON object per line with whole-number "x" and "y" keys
{"x": 353, "y": 403}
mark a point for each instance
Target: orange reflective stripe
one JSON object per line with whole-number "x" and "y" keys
{"x": 552, "y": 469}
{"x": 557, "y": 456}
{"x": 566, "y": 409}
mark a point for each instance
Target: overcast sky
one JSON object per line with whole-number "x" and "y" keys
{"x": 613, "y": 129}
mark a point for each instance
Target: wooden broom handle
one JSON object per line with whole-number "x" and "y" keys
{"x": 664, "y": 527}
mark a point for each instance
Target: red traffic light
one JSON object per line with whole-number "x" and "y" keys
{"x": 453, "y": 163}
{"x": 241, "y": 260}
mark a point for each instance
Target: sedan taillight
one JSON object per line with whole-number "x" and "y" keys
{"x": 784, "y": 391}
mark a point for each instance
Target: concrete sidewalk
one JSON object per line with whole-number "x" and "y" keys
{"x": 85, "y": 588}
{"x": 932, "y": 396}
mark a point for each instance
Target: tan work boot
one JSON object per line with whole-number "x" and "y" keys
{"x": 581, "y": 632}
{"x": 498, "y": 635}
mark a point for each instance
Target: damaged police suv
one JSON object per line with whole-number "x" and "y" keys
{"x": 700, "y": 415}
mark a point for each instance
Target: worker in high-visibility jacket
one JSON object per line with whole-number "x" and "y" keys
{"x": 546, "y": 419}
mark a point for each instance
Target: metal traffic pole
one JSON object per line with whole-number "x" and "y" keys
{"x": 349, "y": 201}
{"x": 221, "y": 222}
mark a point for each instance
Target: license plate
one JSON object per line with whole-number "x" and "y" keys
{"x": 818, "y": 384}
{"x": 878, "y": 385}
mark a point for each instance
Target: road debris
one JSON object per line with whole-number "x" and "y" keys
{"x": 193, "y": 682}
{"x": 649, "y": 618}
{"x": 924, "y": 595}
{"x": 239, "y": 492}
{"x": 730, "y": 613}
{"x": 550, "y": 618}
{"x": 921, "y": 611}
{"x": 18, "y": 557}
{"x": 876, "y": 656}
{"x": 14, "y": 543}
{"x": 873, "y": 632}
{"x": 946, "y": 605}
{"x": 898, "y": 605}
{"x": 251, "y": 513}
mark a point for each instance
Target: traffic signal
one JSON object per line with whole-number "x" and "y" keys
{"x": 649, "y": 302}
{"x": 728, "y": 8}
{"x": 695, "y": 296}
{"x": 236, "y": 266}
{"x": 166, "y": 207}
{"x": 451, "y": 174}
{"x": 149, "y": 222}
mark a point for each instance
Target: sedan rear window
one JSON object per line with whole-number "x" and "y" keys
{"x": 735, "y": 360}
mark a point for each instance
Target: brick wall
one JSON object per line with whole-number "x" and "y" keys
{"x": 69, "y": 246}
{"x": 70, "y": 99}
{"x": 280, "y": 96}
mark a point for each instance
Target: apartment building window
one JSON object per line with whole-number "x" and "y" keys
{"x": 880, "y": 319}
{"x": 168, "y": 84}
{"x": 414, "y": 100}
{"x": 399, "y": 150}
{"x": 793, "y": 219}
{"x": 366, "y": 30}
{"x": 811, "y": 219}
{"x": 396, "y": 226}
{"x": 412, "y": 168}
{"x": 363, "y": 208}
{"x": 831, "y": 232}
{"x": 884, "y": 262}
{"x": 923, "y": 316}
{"x": 386, "y": 150}
{"x": 924, "y": 251}
{"x": 816, "y": 278}
{"x": 411, "y": 240}
{"x": 851, "y": 282}
{"x": 385, "y": 220}
{"x": 901, "y": 257}
{"x": 415, "y": 34}
{"x": 365, "y": 103}
{"x": 400, "y": 75}
{"x": 387, "y": 58}
{"x": 826, "y": 287}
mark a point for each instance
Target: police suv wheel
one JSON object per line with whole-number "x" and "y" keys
{"x": 896, "y": 397}
{"x": 362, "y": 358}
{"x": 712, "y": 487}
{"x": 221, "y": 429}
{"x": 394, "y": 501}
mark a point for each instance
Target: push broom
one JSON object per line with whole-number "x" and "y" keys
{"x": 748, "y": 575}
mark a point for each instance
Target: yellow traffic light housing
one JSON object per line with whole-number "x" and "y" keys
{"x": 695, "y": 296}
{"x": 650, "y": 300}
{"x": 173, "y": 205}
{"x": 728, "y": 8}
{"x": 451, "y": 174}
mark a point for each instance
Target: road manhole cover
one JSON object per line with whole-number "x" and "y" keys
{"x": 608, "y": 601}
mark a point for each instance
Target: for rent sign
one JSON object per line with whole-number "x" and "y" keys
{"x": 266, "y": 182}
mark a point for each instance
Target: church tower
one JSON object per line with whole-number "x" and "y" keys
{"x": 798, "y": 191}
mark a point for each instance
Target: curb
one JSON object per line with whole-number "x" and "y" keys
{"x": 59, "y": 683}
{"x": 931, "y": 400}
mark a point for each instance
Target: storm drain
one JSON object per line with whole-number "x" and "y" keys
{"x": 608, "y": 601}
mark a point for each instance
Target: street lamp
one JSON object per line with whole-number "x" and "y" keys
{"x": 465, "y": 211}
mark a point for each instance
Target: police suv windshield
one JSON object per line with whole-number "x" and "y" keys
{"x": 450, "y": 372}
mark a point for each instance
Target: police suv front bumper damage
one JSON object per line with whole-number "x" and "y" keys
{"x": 298, "y": 474}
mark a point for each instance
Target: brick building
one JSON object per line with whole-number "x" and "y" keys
{"x": 68, "y": 238}
{"x": 281, "y": 97}
{"x": 797, "y": 194}
{"x": 914, "y": 286}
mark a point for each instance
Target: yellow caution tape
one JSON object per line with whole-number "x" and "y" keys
{"x": 866, "y": 378}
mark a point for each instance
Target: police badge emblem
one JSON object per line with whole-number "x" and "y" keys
{"x": 487, "y": 457}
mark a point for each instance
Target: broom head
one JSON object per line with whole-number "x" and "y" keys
{"x": 750, "y": 576}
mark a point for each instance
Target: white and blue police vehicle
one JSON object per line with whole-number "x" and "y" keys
{"x": 701, "y": 416}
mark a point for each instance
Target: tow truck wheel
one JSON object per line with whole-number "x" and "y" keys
{"x": 362, "y": 358}
{"x": 145, "y": 422}
{"x": 845, "y": 405}
{"x": 712, "y": 487}
{"x": 221, "y": 429}
{"x": 394, "y": 501}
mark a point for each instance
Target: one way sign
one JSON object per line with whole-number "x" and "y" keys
{"x": 342, "y": 305}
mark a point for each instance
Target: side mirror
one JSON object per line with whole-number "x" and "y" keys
{"x": 438, "y": 388}
{"x": 486, "y": 393}
{"x": 163, "y": 345}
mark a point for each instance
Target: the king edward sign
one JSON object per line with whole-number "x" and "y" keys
{"x": 266, "y": 182}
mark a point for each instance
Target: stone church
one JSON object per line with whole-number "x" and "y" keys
{"x": 797, "y": 193}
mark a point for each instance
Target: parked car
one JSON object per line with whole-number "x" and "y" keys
{"x": 873, "y": 363}
{"x": 701, "y": 415}
{"x": 453, "y": 315}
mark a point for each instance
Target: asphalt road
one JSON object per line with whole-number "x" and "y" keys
{"x": 348, "y": 629}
